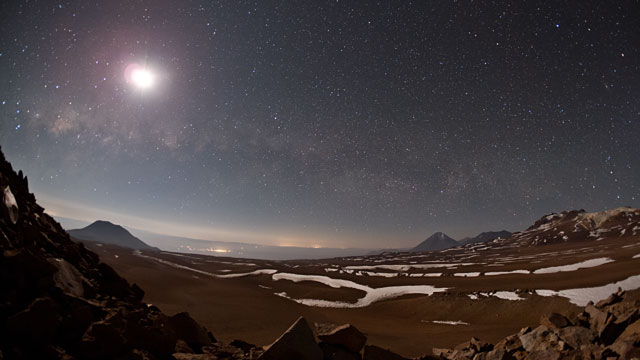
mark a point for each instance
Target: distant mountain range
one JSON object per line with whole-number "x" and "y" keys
{"x": 485, "y": 237}
{"x": 108, "y": 233}
{"x": 440, "y": 241}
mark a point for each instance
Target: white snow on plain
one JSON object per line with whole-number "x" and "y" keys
{"x": 372, "y": 295}
{"x": 637, "y": 256}
{"x": 494, "y": 273}
{"x": 405, "y": 267}
{"x": 507, "y": 295}
{"x": 473, "y": 296}
{"x": 467, "y": 274}
{"x": 571, "y": 267}
{"x": 582, "y": 296}
{"x": 225, "y": 276}
{"x": 449, "y": 322}
{"x": 425, "y": 275}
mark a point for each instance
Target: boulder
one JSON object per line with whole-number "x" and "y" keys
{"x": 544, "y": 355}
{"x": 541, "y": 339}
{"x": 346, "y": 335}
{"x": 612, "y": 299}
{"x": 297, "y": 343}
{"x": 337, "y": 352}
{"x": 509, "y": 344}
{"x": 103, "y": 339}
{"x": 625, "y": 349}
{"x": 631, "y": 333}
{"x": 37, "y": 323}
{"x": 372, "y": 352}
{"x": 190, "y": 331}
{"x": 243, "y": 345}
{"x": 576, "y": 336}
{"x": 554, "y": 321}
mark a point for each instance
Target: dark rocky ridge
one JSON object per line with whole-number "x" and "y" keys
{"x": 485, "y": 237}
{"x": 58, "y": 301}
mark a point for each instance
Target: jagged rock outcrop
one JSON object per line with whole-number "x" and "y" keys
{"x": 609, "y": 329}
{"x": 59, "y": 301}
{"x": 298, "y": 342}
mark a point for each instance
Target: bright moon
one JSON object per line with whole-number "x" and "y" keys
{"x": 139, "y": 76}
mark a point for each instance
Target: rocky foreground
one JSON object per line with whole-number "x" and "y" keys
{"x": 59, "y": 301}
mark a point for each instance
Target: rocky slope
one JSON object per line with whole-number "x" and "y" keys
{"x": 485, "y": 236}
{"x": 59, "y": 301}
{"x": 609, "y": 329}
{"x": 108, "y": 233}
{"x": 578, "y": 225}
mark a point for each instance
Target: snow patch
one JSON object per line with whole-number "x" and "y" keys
{"x": 372, "y": 295}
{"x": 405, "y": 267}
{"x": 572, "y": 267}
{"x": 507, "y": 295}
{"x": 225, "y": 276}
{"x": 467, "y": 274}
{"x": 494, "y": 273}
{"x": 449, "y": 322}
{"x": 582, "y": 296}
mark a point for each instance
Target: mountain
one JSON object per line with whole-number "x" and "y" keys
{"x": 437, "y": 241}
{"x": 108, "y": 233}
{"x": 485, "y": 237}
{"x": 578, "y": 225}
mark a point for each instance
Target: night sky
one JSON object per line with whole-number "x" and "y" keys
{"x": 314, "y": 123}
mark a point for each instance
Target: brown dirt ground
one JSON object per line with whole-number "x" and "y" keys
{"x": 240, "y": 308}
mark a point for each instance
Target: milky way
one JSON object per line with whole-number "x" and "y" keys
{"x": 323, "y": 123}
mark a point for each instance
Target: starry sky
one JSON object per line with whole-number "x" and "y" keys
{"x": 323, "y": 123}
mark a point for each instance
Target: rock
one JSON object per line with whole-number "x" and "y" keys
{"x": 443, "y": 353}
{"x": 37, "y": 323}
{"x": 576, "y": 336}
{"x": 183, "y": 347}
{"x": 626, "y": 349}
{"x": 190, "y": 331}
{"x": 68, "y": 278}
{"x": 372, "y": 352}
{"x": 540, "y": 339}
{"x": 612, "y": 299}
{"x": 103, "y": 339}
{"x": 554, "y": 321}
{"x": 297, "y": 343}
{"x": 597, "y": 318}
{"x": 10, "y": 205}
{"x": 544, "y": 355}
{"x": 592, "y": 351}
{"x": 346, "y": 335}
{"x": 149, "y": 330}
{"x": 337, "y": 352}
{"x": 243, "y": 345}
{"x": 496, "y": 354}
{"x": 631, "y": 333}
{"x": 479, "y": 345}
{"x": 510, "y": 343}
